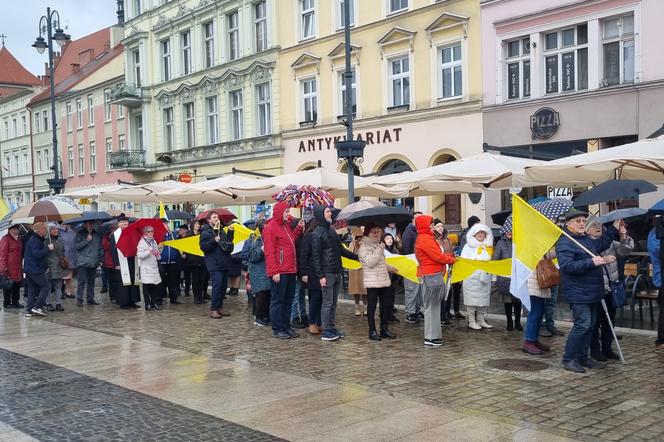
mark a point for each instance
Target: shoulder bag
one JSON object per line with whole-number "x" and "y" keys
{"x": 547, "y": 274}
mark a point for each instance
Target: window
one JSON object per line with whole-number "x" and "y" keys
{"x": 91, "y": 110}
{"x": 40, "y": 163}
{"x": 566, "y": 60}
{"x": 190, "y": 124}
{"x": 208, "y": 43}
{"x": 93, "y": 157}
{"x": 137, "y": 7}
{"x": 397, "y": 6}
{"x": 399, "y": 82}
{"x": 169, "y": 129}
{"x": 263, "y": 108}
{"x": 309, "y": 101}
{"x": 16, "y": 165}
{"x": 120, "y": 111}
{"x": 81, "y": 160}
{"x": 166, "y": 60}
{"x": 138, "y": 122}
{"x": 236, "y": 114}
{"x": 70, "y": 161}
{"x": 451, "y": 71}
{"x": 260, "y": 26}
{"x": 618, "y": 50}
{"x": 343, "y": 96}
{"x": 233, "y": 36}
{"x": 6, "y": 165}
{"x": 136, "y": 59}
{"x": 107, "y": 105}
{"x": 307, "y": 19}
{"x": 109, "y": 151}
{"x": 24, "y": 125}
{"x": 47, "y": 160}
{"x": 518, "y": 68}
{"x": 68, "y": 107}
{"x": 212, "y": 120}
{"x": 14, "y": 127}
{"x": 45, "y": 119}
{"x": 79, "y": 113}
{"x": 185, "y": 41}
{"x": 341, "y": 22}
{"x": 25, "y": 165}
{"x": 122, "y": 144}
{"x": 6, "y": 130}
{"x": 37, "y": 122}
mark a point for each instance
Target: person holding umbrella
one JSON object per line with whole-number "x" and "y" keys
{"x": 170, "y": 267}
{"x": 35, "y": 265}
{"x": 88, "y": 254}
{"x": 56, "y": 267}
{"x": 11, "y": 266}
{"x": 217, "y": 246}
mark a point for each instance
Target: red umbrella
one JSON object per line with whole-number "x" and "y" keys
{"x": 134, "y": 232}
{"x": 225, "y": 215}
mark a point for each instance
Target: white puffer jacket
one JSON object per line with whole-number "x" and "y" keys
{"x": 147, "y": 263}
{"x": 372, "y": 258}
{"x": 477, "y": 287}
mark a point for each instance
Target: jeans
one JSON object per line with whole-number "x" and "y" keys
{"x": 660, "y": 318}
{"x": 298, "y": 306}
{"x": 86, "y": 280}
{"x": 38, "y": 288}
{"x": 535, "y": 314}
{"x": 550, "y": 308}
{"x": 315, "y": 304}
{"x": 600, "y": 341}
{"x": 13, "y": 294}
{"x": 413, "y": 296}
{"x": 280, "y": 302}
{"x": 54, "y": 297}
{"x": 578, "y": 341}
{"x": 330, "y": 298}
{"x": 219, "y": 285}
{"x": 453, "y": 298}
{"x": 374, "y": 296}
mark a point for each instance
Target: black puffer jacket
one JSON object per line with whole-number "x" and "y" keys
{"x": 326, "y": 248}
{"x": 217, "y": 254}
{"x": 304, "y": 266}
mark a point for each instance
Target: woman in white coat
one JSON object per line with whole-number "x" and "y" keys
{"x": 477, "y": 287}
{"x": 148, "y": 255}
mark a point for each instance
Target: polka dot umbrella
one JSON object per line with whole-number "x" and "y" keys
{"x": 552, "y": 208}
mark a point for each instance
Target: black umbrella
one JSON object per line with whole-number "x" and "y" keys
{"x": 379, "y": 215}
{"x": 500, "y": 217}
{"x": 613, "y": 190}
{"x": 90, "y": 216}
{"x": 177, "y": 214}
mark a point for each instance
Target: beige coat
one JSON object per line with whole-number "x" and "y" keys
{"x": 356, "y": 277}
{"x": 372, "y": 257}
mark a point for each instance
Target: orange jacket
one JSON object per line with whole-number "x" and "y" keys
{"x": 430, "y": 258}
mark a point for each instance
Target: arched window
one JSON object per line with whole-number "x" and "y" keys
{"x": 396, "y": 166}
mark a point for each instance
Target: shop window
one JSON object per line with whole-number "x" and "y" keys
{"x": 518, "y": 68}
{"x": 566, "y": 60}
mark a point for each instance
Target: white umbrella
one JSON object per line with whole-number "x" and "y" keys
{"x": 640, "y": 160}
{"x": 218, "y": 191}
{"x": 92, "y": 192}
{"x": 145, "y": 193}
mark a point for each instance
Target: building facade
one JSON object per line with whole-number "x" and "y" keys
{"x": 416, "y": 92}
{"x": 201, "y": 88}
{"x": 570, "y": 76}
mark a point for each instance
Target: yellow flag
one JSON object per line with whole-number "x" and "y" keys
{"x": 350, "y": 264}
{"x": 257, "y": 232}
{"x": 242, "y": 232}
{"x": 464, "y": 267}
{"x": 406, "y": 266}
{"x": 189, "y": 245}
{"x": 162, "y": 211}
{"x": 4, "y": 210}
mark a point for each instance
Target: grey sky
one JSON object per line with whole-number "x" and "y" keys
{"x": 20, "y": 19}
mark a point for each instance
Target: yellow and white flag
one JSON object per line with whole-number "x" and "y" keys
{"x": 162, "y": 211}
{"x": 533, "y": 235}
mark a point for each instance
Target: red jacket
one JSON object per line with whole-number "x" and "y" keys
{"x": 279, "y": 240}
{"x": 107, "y": 263}
{"x": 11, "y": 257}
{"x": 430, "y": 258}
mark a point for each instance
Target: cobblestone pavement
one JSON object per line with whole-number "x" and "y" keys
{"x": 619, "y": 402}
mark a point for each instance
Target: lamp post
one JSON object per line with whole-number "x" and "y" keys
{"x": 47, "y": 24}
{"x": 349, "y": 150}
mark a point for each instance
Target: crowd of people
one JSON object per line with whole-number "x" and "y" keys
{"x": 289, "y": 263}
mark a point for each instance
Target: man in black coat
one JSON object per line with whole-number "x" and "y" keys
{"x": 412, "y": 292}
{"x": 217, "y": 246}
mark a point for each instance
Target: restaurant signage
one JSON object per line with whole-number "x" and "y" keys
{"x": 544, "y": 123}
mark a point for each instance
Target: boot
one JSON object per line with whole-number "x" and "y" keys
{"x": 481, "y": 320}
{"x": 385, "y": 333}
{"x": 508, "y": 315}
{"x": 517, "y": 316}
{"x": 471, "y": 320}
{"x": 374, "y": 336}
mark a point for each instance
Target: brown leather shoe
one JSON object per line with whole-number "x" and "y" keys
{"x": 214, "y": 314}
{"x": 530, "y": 347}
{"x": 545, "y": 348}
{"x": 314, "y": 329}
{"x": 223, "y": 313}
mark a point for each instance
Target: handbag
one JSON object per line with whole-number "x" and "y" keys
{"x": 64, "y": 262}
{"x": 618, "y": 294}
{"x": 547, "y": 274}
{"x": 435, "y": 280}
{"x": 5, "y": 282}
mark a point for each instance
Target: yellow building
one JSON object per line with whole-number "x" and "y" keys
{"x": 416, "y": 91}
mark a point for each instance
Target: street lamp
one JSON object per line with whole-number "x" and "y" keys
{"x": 349, "y": 150}
{"x": 47, "y": 23}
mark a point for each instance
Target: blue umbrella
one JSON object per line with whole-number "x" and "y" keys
{"x": 657, "y": 208}
{"x": 622, "y": 214}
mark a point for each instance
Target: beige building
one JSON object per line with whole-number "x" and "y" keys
{"x": 416, "y": 92}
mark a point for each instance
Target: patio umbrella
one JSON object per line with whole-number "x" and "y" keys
{"x": 622, "y": 214}
{"x": 144, "y": 193}
{"x": 90, "y": 216}
{"x": 500, "y": 217}
{"x": 49, "y": 209}
{"x": 379, "y": 215}
{"x": 133, "y": 233}
{"x": 215, "y": 191}
{"x": 177, "y": 214}
{"x": 225, "y": 215}
{"x": 613, "y": 190}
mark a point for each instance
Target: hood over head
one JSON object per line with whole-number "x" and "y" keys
{"x": 319, "y": 213}
{"x": 478, "y": 227}
{"x": 423, "y": 224}
{"x": 278, "y": 212}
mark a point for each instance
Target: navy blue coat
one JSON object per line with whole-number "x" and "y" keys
{"x": 260, "y": 282}
{"x": 169, "y": 255}
{"x": 583, "y": 281}
{"x": 217, "y": 254}
{"x": 408, "y": 240}
{"x": 35, "y": 256}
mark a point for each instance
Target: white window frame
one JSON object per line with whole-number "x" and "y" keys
{"x": 263, "y": 109}
{"x": 392, "y": 77}
{"x": 93, "y": 157}
{"x": 136, "y": 63}
{"x": 91, "y": 110}
{"x": 121, "y": 113}
{"x": 70, "y": 161}
{"x": 109, "y": 151}
{"x": 208, "y": 44}
{"x": 260, "y": 26}
{"x": 40, "y": 162}
{"x": 236, "y": 112}
{"x": 185, "y": 43}
{"x": 212, "y": 119}
{"x": 189, "y": 114}
{"x": 307, "y": 10}
{"x": 45, "y": 119}
{"x": 24, "y": 125}
{"x": 166, "y": 66}
{"x": 37, "y": 122}
{"x": 621, "y": 39}
{"x": 168, "y": 114}
{"x": 47, "y": 159}
{"x": 341, "y": 88}
{"x": 138, "y": 122}
{"x": 122, "y": 142}
{"x": 25, "y": 166}
{"x": 312, "y": 97}
{"x": 79, "y": 113}
{"x": 107, "y": 105}
{"x": 521, "y": 59}
{"x": 233, "y": 34}
{"x": 558, "y": 52}
{"x": 339, "y": 14}
{"x": 451, "y": 65}
{"x": 68, "y": 110}
{"x": 81, "y": 160}
{"x": 390, "y": 11}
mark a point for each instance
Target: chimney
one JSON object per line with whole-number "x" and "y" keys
{"x": 117, "y": 34}
{"x": 120, "y": 12}
{"x": 75, "y": 67}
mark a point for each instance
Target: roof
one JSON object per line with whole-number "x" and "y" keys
{"x": 13, "y": 72}
{"x": 98, "y": 41}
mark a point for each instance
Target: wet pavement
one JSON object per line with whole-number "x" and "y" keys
{"x": 478, "y": 386}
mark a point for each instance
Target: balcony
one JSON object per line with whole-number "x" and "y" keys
{"x": 127, "y": 159}
{"x": 126, "y": 94}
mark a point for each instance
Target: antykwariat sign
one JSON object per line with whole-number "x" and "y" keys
{"x": 379, "y": 136}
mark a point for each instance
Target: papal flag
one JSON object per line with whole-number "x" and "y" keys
{"x": 533, "y": 235}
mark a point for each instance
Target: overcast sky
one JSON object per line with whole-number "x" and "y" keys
{"x": 19, "y": 21}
